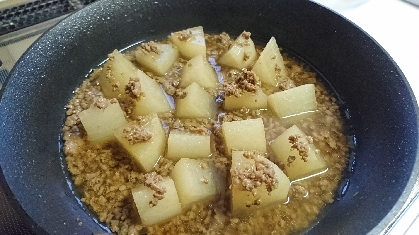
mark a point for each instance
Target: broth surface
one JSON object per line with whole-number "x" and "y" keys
{"x": 104, "y": 175}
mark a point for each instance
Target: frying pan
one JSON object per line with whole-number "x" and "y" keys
{"x": 382, "y": 109}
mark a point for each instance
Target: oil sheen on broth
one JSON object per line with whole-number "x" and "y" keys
{"x": 258, "y": 146}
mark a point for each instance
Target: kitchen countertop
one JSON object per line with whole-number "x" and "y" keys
{"x": 392, "y": 23}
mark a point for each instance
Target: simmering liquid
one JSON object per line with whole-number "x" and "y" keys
{"x": 104, "y": 174}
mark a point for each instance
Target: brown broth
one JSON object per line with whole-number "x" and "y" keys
{"x": 104, "y": 175}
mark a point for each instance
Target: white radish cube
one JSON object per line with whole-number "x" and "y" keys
{"x": 146, "y": 153}
{"x": 294, "y": 101}
{"x": 157, "y": 57}
{"x": 242, "y": 53}
{"x": 245, "y": 202}
{"x": 244, "y": 135}
{"x": 270, "y": 66}
{"x": 101, "y": 123}
{"x": 298, "y": 168}
{"x": 195, "y": 181}
{"x": 200, "y": 71}
{"x": 190, "y": 42}
{"x": 165, "y": 209}
{"x": 115, "y": 75}
{"x": 197, "y": 104}
{"x": 153, "y": 99}
{"x": 181, "y": 144}
{"x": 248, "y": 100}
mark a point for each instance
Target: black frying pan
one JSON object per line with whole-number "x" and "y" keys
{"x": 383, "y": 110}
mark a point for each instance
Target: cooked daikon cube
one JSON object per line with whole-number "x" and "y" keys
{"x": 100, "y": 123}
{"x": 242, "y": 53}
{"x": 198, "y": 70}
{"x": 115, "y": 75}
{"x": 248, "y": 100}
{"x": 294, "y": 101}
{"x": 197, "y": 104}
{"x": 153, "y": 99}
{"x": 270, "y": 66}
{"x": 145, "y": 142}
{"x": 157, "y": 57}
{"x": 195, "y": 181}
{"x": 247, "y": 201}
{"x": 190, "y": 42}
{"x": 182, "y": 144}
{"x": 244, "y": 135}
{"x": 297, "y": 166}
{"x": 165, "y": 209}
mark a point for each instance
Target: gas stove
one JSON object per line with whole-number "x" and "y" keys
{"x": 23, "y": 21}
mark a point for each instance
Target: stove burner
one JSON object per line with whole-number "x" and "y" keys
{"x": 31, "y": 13}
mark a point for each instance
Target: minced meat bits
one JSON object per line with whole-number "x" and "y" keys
{"x": 135, "y": 133}
{"x": 150, "y": 47}
{"x": 152, "y": 181}
{"x": 105, "y": 176}
{"x": 301, "y": 147}
{"x": 246, "y": 36}
{"x": 185, "y": 35}
{"x": 253, "y": 177}
{"x": 102, "y": 103}
{"x": 243, "y": 81}
{"x": 133, "y": 88}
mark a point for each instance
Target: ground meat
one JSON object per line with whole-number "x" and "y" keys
{"x": 299, "y": 190}
{"x": 109, "y": 76}
{"x": 244, "y": 81}
{"x": 229, "y": 117}
{"x": 246, "y": 56}
{"x": 104, "y": 176}
{"x": 101, "y": 103}
{"x": 217, "y": 44}
{"x": 180, "y": 93}
{"x": 152, "y": 181}
{"x": 197, "y": 125}
{"x": 115, "y": 86}
{"x": 149, "y": 47}
{"x": 171, "y": 80}
{"x": 136, "y": 133}
{"x": 133, "y": 88}
{"x": 164, "y": 167}
{"x": 286, "y": 84}
{"x": 301, "y": 147}
{"x": 251, "y": 177}
{"x": 290, "y": 160}
{"x": 246, "y": 37}
{"x": 185, "y": 35}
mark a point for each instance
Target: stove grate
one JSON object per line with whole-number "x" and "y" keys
{"x": 31, "y": 13}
